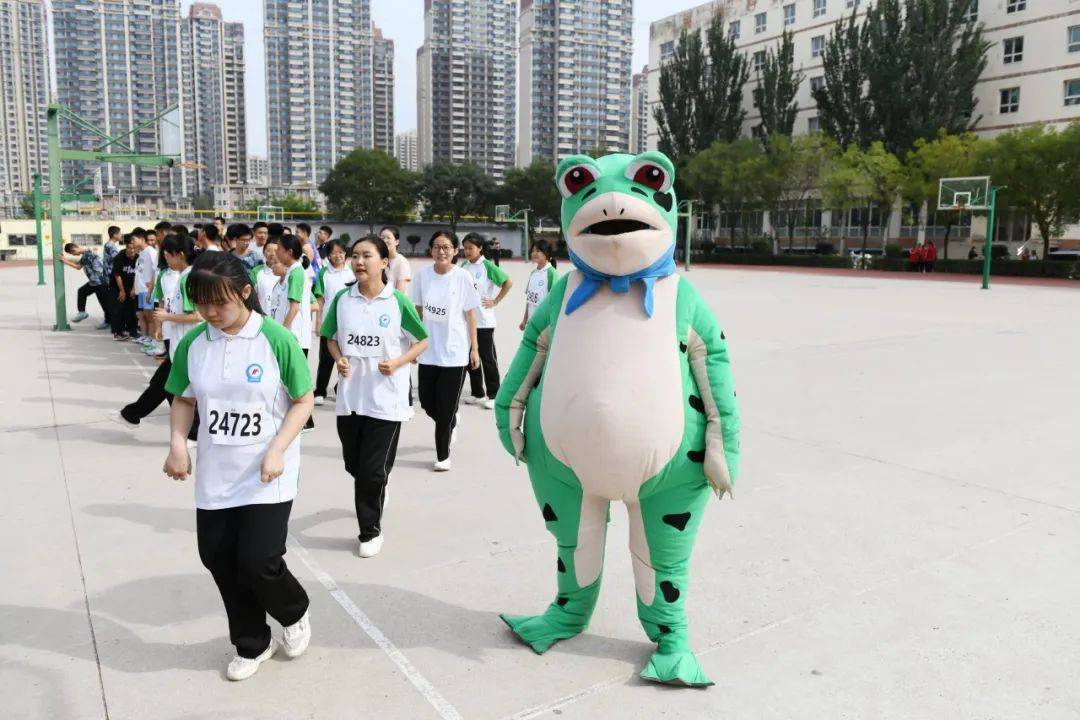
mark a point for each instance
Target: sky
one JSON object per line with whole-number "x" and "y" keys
{"x": 403, "y": 22}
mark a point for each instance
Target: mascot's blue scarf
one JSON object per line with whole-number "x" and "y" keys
{"x": 619, "y": 283}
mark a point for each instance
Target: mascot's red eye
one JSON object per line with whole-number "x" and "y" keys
{"x": 651, "y": 176}
{"x": 577, "y": 178}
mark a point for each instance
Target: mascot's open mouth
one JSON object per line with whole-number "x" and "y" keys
{"x": 616, "y": 227}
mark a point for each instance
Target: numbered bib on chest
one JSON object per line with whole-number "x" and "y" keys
{"x": 364, "y": 344}
{"x": 436, "y": 312}
{"x": 231, "y": 422}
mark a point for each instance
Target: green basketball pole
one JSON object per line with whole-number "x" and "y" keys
{"x": 989, "y": 238}
{"x": 37, "y": 223}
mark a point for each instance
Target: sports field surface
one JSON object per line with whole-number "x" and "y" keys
{"x": 903, "y": 542}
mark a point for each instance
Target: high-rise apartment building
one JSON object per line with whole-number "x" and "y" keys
{"x": 258, "y": 170}
{"x": 24, "y": 95}
{"x": 575, "y": 77}
{"x": 466, "y": 87}
{"x": 319, "y": 58}
{"x": 215, "y": 131}
{"x": 639, "y": 112}
{"x": 119, "y": 64}
{"x": 383, "y": 92}
{"x": 405, "y": 150}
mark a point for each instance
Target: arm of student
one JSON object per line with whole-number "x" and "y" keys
{"x": 410, "y": 323}
{"x": 402, "y": 285}
{"x": 294, "y": 310}
{"x": 474, "y": 347}
{"x": 500, "y": 279}
{"x": 181, "y": 416}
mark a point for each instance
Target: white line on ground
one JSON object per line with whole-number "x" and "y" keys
{"x": 134, "y": 361}
{"x": 437, "y": 701}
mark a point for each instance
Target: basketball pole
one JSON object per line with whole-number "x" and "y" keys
{"x": 989, "y": 238}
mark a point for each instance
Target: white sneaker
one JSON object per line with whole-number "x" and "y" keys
{"x": 489, "y": 404}
{"x": 470, "y": 400}
{"x": 319, "y": 400}
{"x": 296, "y": 637}
{"x": 371, "y": 548}
{"x": 442, "y": 465}
{"x": 79, "y": 317}
{"x": 457, "y": 424}
{"x": 241, "y": 668}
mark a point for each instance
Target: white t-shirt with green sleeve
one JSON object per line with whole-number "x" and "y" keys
{"x": 445, "y": 299}
{"x": 330, "y": 280}
{"x": 540, "y": 283}
{"x": 299, "y": 289}
{"x": 244, "y": 385}
{"x": 171, "y": 290}
{"x": 488, "y": 279}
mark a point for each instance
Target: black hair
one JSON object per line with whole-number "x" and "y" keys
{"x": 394, "y": 230}
{"x": 211, "y": 232}
{"x": 546, "y": 247}
{"x": 295, "y": 248}
{"x": 139, "y": 231}
{"x": 448, "y": 234}
{"x": 275, "y": 229}
{"x": 220, "y": 218}
{"x": 177, "y": 244}
{"x": 180, "y": 230}
{"x": 258, "y": 225}
{"x": 125, "y": 239}
{"x": 113, "y": 230}
{"x": 163, "y": 225}
{"x": 337, "y": 243}
{"x": 162, "y": 263}
{"x": 237, "y": 230}
{"x": 217, "y": 278}
{"x": 305, "y": 227}
{"x": 475, "y": 238}
{"x": 327, "y": 229}
{"x": 380, "y": 246}
{"x": 69, "y": 247}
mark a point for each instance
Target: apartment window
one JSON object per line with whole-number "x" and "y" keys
{"x": 1074, "y": 38}
{"x": 1015, "y": 6}
{"x": 759, "y": 23}
{"x": 1072, "y": 92}
{"x": 1014, "y": 50}
{"x": 852, "y": 4}
{"x": 789, "y": 15}
{"x": 1010, "y": 100}
{"x": 819, "y": 8}
{"x": 733, "y": 30}
{"x": 973, "y": 11}
{"x": 817, "y": 83}
{"x": 14, "y": 240}
{"x": 817, "y": 45}
{"x": 667, "y": 50}
{"x": 813, "y": 124}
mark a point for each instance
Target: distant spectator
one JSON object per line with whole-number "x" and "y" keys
{"x": 96, "y": 280}
{"x": 931, "y": 256}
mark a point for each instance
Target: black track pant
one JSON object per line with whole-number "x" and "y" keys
{"x": 152, "y": 397}
{"x": 326, "y": 366}
{"x": 243, "y": 548}
{"x": 488, "y": 372}
{"x": 368, "y": 446}
{"x": 124, "y": 318}
{"x": 440, "y": 393}
{"x": 101, "y": 292}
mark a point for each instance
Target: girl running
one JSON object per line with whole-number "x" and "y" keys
{"x": 248, "y": 376}
{"x": 541, "y": 280}
{"x": 297, "y": 310}
{"x": 446, "y": 301}
{"x": 332, "y": 277}
{"x": 493, "y": 285}
{"x": 373, "y": 333}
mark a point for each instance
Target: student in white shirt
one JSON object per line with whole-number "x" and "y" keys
{"x": 447, "y": 301}
{"x": 297, "y": 317}
{"x": 333, "y": 276}
{"x": 263, "y": 276}
{"x": 541, "y": 279}
{"x": 373, "y": 333}
{"x": 493, "y": 284}
{"x": 253, "y": 388}
{"x": 145, "y": 275}
{"x": 399, "y": 272}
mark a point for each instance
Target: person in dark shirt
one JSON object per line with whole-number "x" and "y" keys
{"x": 125, "y": 322}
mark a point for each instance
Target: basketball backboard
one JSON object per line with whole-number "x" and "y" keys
{"x": 964, "y": 193}
{"x": 502, "y": 213}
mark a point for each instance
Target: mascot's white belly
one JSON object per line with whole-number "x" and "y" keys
{"x": 612, "y": 405}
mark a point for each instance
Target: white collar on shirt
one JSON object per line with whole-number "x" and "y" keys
{"x": 251, "y": 329}
{"x": 387, "y": 291}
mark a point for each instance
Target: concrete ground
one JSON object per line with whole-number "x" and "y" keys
{"x": 903, "y": 542}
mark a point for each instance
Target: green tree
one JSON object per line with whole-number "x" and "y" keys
{"x": 929, "y": 161}
{"x": 722, "y": 115}
{"x": 1038, "y": 169}
{"x": 778, "y": 84}
{"x": 799, "y": 164}
{"x": 845, "y": 114}
{"x": 681, "y": 81}
{"x": 451, "y": 191}
{"x": 532, "y": 187}
{"x": 369, "y": 184}
{"x": 26, "y": 204}
{"x": 875, "y": 176}
{"x": 717, "y": 175}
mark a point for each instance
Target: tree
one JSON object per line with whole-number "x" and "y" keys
{"x": 716, "y": 175}
{"x": 26, "y": 204}
{"x": 1038, "y": 170}
{"x": 778, "y": 83}
{"x": 845, "y": 114}
{"x": 534, "y": 188}
{"x": 875, "y": 176}
{"x": 930, "y": 160}
{"x": 799, "y": 164}
{"x": 452, "y": 190}
{"x": 681, "y": 80}
{"x": 722, "y": 114}
{"x": 369, "y": 184}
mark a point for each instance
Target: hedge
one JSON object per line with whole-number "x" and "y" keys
{"x": 1004, "y": 268}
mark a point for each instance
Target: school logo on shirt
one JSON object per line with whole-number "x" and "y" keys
{"x": 254, "y": 373}
{"x": 384, "y": 321}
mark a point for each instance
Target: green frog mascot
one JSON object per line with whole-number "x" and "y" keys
{"x": 622, "y": 390}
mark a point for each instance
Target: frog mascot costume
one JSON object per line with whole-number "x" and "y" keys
{"x": 621, "y": 390}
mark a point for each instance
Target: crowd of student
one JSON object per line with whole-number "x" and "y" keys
{"x": 231, "y": 313}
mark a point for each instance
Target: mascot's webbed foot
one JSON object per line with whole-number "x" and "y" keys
{"x": 676, "y": 668}
{"x": 540, "y": 632}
